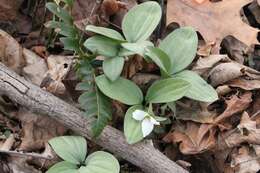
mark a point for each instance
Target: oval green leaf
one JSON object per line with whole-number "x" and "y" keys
{"x": 138, "y": 48}
{"x": 113, "y": 67}
{"x": 70, "y": 43}
{"x": 167, "y": 90}
{"x": 200, "y": 90}
{"x": 105, "y": 32}
{"x": 122, "y": 90}
{"x": 132, "y": 128}
{"x": 160, "y": 58}
{"x": 72, "y": 149}
{"x": 102, "y": 46}
{"x": 62, "y": 28}
{"x": 63, "y": 167}
{"x": 100, "y": 162}
{"x": 181, "y": 47}
{"x": 140, "y": 22}
{"x": 60, "y": 12}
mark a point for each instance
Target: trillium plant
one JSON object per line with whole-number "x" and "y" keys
{"x": 173, "y": 55}
{"x": 73, "y": 151}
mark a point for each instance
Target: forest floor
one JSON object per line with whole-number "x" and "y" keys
{"x": 218, "y": 137}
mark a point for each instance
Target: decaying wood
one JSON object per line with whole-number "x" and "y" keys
{"x": 30, "y": 96}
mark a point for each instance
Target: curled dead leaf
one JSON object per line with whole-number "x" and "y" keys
{"x": 193, "y": 138}
{"x": 245, "y": 161}
{"x": 225, "y": 72}
{"x": 234, "y": 48}
{"x": 248, "y": 133}
{"x": 245, "y": 84}
{"x": 204, "y": 64}
{"x": 11, "y": 53}
{"x": 35, "y": 68}
{"x": 228, "y": 71}
{"x": 195, "y": 111}
{"x": 235, "y": 105}
{"x": 58, "y": 68}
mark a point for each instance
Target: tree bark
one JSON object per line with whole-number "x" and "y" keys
{"x": 30, "y": 96}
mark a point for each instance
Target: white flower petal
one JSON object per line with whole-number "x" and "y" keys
{"x": 147, "y": 127}
{"x": 154, "y": 121}
{"x": 139, "y": 115}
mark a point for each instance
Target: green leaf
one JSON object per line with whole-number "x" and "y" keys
{"x": 100, "y": 162}
{"x": 132, "y": 128}
{"x": 125, "y": 52}
{"x": 160, "y": 58}
{"x": 98, "y": 105}
{"x": 200, "y": 90}
{"x": 167, "y": 90}
{"x": 157, "y": 118}
{"x": 62, "y": 28}
{"x": 60, "y": 12}
{"x": 63, "y": 167}
{"x": 122, "y": 90}
{"x": 92, "y": 100}
{"x": 113, "y": 67}
{"x": 181, "y": 47}
{"x": 105, "y": 32}
{"x": 138, "y": 48}
{"x": 84, "y": 86}
{"x": 70, "y": 43}
{"x": 102, "y": 46}
{"x": 140, "y": 22}
{"x": 72, "y": 149}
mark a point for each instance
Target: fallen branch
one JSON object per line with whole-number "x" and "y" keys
{"x": 143, "y": 154}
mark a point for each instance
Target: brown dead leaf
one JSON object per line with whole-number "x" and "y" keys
{"x": 223, "y": 90}
{"x": 9, "y": 9}
{"x": 58, "y": 68}
{"x": 225, "y": 72}
{"x": 245, "y": 161}
{"x": 221, "y": 161}
{"x": 40, "y": 50}
{"x": 228, "y": 71}
{"x": 205, "y": 64}
{"x": 86, "y": 12}
{"x": 248, "y": 127}
{"x": 213, "y": 20}
{"x": 247, "y": 133}
{"x": 37, "y": 130}
{"x": 35, "y": 68}
{"x": 111, "y": 7}
{"x": 20, "y": 165}
{"x": 235, "y": 49}
{"x": 11, "y": 53}
{"x": 195, "y": 111}
{"x": 194, "y": 138}
{"x": 205, "y": 50}
{"x": 235, "y": 105}
{"x": 245, "y": 84}
{"x": 118, "y": 17}
{"x": 137, "y": 64}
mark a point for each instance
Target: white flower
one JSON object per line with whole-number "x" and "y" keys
{"x": 148, "y": 121}
{"x": 57, "y": 1}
